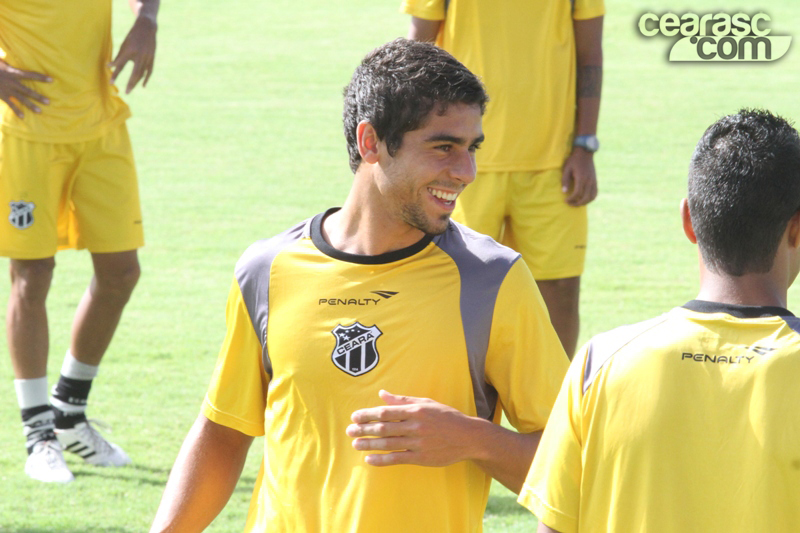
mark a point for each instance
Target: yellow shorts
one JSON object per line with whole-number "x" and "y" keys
{"x": 527, "y": 211}
{"x": 68, "y": 195}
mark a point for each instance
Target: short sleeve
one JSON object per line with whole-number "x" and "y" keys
{"x": 552, "y": 488}
{"x": 588, "y": 9}
{"x": 525, "y": 362}
{"x": 424, "y": 9}
{"x": 237, "y": 395}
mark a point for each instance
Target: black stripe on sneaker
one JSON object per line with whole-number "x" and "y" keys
{"x": 76, "y": 447}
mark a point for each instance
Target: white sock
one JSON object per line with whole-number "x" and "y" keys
{"x": 31, "y": 392}
{"x": 74, "y": 369}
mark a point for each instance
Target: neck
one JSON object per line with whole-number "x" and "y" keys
{"x": 365, "y": 226}
{"x": 750, "y": 289}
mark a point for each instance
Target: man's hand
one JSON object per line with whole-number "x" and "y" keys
{"x": 415, "y": 431}
{"x": 14, "y": 93}
{"x": 139, "y": 46}
{"x": 578, "y": 178}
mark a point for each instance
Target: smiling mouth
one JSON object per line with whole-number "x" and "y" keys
{"x": 444, "y": 196}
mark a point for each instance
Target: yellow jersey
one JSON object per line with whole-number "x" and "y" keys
{"x": 686, "y": 422}
{"x": 71, "y": 43}
{"x": 524, "y": 52}
{"x": 315, "y": 333}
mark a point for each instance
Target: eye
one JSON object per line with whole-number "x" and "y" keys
{"x": 444, "y": 148}
{"x": 475, "y": 147}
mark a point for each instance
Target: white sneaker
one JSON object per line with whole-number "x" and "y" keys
{"x": 46, "y": 463}
{"x": 84, "y": 440}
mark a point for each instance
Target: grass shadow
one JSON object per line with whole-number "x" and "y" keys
{"x": 143, "y": 474}
{"x": 135, "y": 473}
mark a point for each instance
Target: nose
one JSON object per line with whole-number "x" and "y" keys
{"x": 464, "y": 167}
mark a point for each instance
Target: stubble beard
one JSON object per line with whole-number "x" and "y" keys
{"x": 414, "y": 215}
{"x": 412, "y": 211}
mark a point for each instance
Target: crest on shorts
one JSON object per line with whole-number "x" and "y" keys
{"x": 21, "y": 216}
{"x": 355, "y": 351}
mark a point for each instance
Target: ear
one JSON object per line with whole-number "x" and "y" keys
{"x": 687, "y": 221}
{"x": 367, "y": 141}
{"x": 793, "y": 230}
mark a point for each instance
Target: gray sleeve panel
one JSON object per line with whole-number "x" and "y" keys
{"x": 603, "y": 346}
{"x": 793, "y": 322}
{"x": 253, "y": 274}
{"x": 482, "y": 266}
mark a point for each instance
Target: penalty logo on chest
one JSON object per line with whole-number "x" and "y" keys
{"x": 355, "y": 351}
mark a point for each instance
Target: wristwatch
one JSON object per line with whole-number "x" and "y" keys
{"x": 587, "y": 142}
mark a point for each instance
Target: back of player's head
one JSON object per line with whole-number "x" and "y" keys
{"x": 744, "y": 186}
{"x": 396, "y": 87}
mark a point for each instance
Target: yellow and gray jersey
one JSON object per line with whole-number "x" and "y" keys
{"x": 685, "y": 422}
{"x": 315, "y": 333}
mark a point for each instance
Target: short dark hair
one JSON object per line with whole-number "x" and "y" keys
{"x": 396, "y": 87}
{"x": 744, "y": 186}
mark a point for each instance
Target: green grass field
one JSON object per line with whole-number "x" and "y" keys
{"x": 239, "y": 135}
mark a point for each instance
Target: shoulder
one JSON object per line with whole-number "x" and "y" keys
{"x": 260, "y": 254}
{"x": 604, "y": 346}
{"x": 469, "y": 248}
{"x": 587, "y": 9}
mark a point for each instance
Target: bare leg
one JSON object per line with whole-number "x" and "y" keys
{"x": 562, "y": 298}
{"x": 100, "y": 309}
{"x": 26, "y": 321}
{"x": 96, "y": 319}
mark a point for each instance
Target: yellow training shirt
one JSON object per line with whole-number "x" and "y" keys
{"x": 70, "y": 42}
{"x": 686, "y": 422}
{"x": 524, "y": 51}
{"x": 315, "y": 333}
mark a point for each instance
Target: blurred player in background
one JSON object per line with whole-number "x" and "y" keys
{"x": 384, "y": 300}
{"x": 541, "y": 62}
{"x": 67, "y": 180}
{"x": 690, "y": 421}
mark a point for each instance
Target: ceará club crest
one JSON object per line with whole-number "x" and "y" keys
{"x": 355, "y": 352}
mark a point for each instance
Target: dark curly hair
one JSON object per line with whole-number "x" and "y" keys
{"x": 396, "y": 87}
{"x": 744, "y": 186}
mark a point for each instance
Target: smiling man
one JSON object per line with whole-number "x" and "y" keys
{"x": 446, "y": 319}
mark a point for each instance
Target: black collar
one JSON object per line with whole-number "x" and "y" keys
{"x": 739, "y": 311}
{"x": 388, "y": 257}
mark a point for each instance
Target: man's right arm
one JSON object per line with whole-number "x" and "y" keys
{"x": 203, "y": 478}
{"x": 424, "y": 30}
